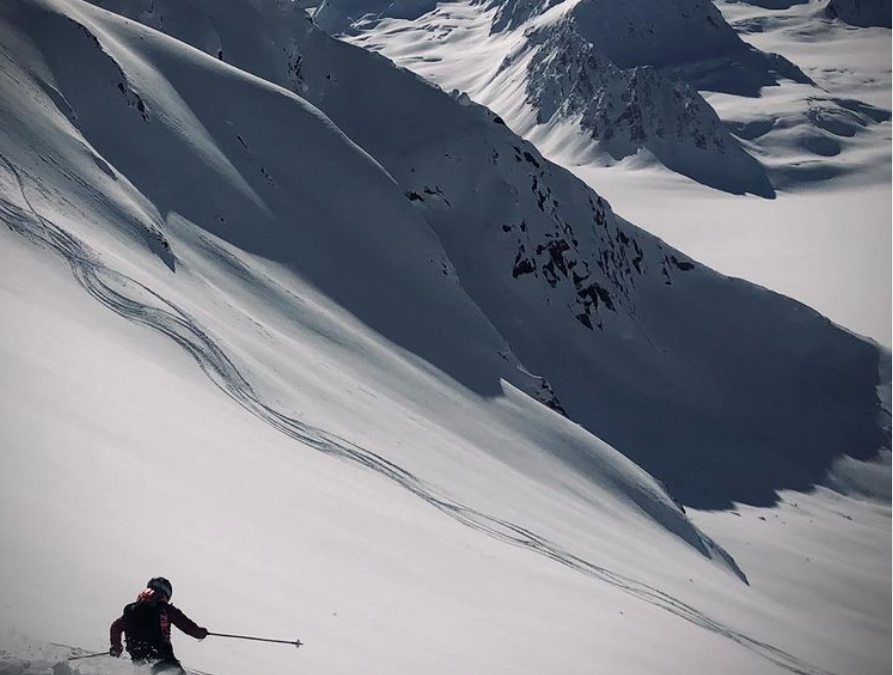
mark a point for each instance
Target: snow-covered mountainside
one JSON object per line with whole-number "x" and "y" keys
{"x": 557, "y": 69}
{"x": 549, "y": 263}
{"x": 688, "y": 38}
{"x": 624, "y": 111}
{"x": 825, "y": 239}
{"x": 826, "y": 131}
{"x": 569, "y": 82}
{"x": 611, "y": 61}
{"x": 818, "y": 131}
{"x": 350, "y": 359}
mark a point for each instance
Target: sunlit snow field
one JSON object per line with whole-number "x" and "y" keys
{"x": 826, "y": 245}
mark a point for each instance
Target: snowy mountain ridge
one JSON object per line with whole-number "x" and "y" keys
{"x": 689, "y": 39}
{"x": 574, "y": 31}
{"x": 612, "y": 40}
{"x": 628, "y": 110}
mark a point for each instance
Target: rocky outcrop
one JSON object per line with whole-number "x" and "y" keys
{"x": 626, "y": 110}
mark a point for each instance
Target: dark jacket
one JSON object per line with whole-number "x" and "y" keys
{"x": 146, "y": 624}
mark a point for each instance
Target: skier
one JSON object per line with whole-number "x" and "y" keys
{"x": 146, "y": 624}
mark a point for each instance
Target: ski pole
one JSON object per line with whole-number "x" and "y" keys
{"x": 87, "y": 656}
{"x": 296, "y": 643}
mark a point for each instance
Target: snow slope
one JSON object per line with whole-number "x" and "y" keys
{"x": 548, "y": 263}
{"x": 549, "y": 79}
{"x": 601, "y": 52}
{"x": 359, "y": 456}
{"x": 824, "y": 241}
{"x": 837, "y": 128}
{"x": 814, "y": 132}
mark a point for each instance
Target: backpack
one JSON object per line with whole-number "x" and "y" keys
{"x": 143, "y": 632}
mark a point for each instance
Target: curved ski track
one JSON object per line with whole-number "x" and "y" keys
{"x": 135, "y": 302}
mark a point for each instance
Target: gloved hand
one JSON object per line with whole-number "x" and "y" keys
{"x": 115, "y": 651}
{"x": 202, "y": 633}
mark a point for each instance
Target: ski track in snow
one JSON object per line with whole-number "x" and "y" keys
{"x": 135, "y": 302}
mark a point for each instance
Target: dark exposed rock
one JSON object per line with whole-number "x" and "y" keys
{"x": 523, "y": 264}
{"x": 530, "y": 158}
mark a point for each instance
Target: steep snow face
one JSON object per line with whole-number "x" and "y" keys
{"x": 688, "y": 38}
{"x": 186, "y": 214}
{"x": 256, "y": 182}
{"x": 550, "y": 264}
{"x": 860, "y": 12}
{"x": 657, "y": 32}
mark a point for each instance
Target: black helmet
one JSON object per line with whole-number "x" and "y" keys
{"x": 161, "y": 585}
